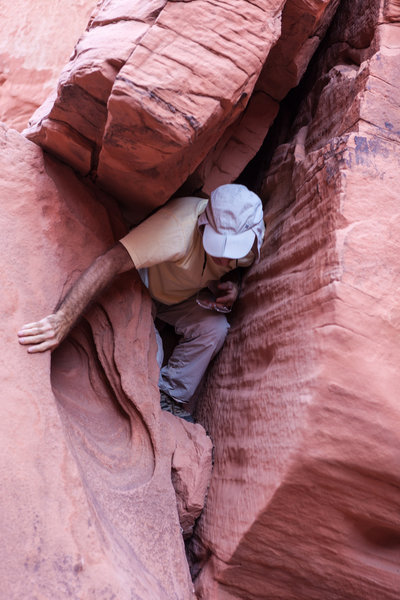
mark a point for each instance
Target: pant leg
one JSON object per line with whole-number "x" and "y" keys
{"x": 144, "y": 276}
{"x": 203, "y": 333}
{"x": 160, "y": 349}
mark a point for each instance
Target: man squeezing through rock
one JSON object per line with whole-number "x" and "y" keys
{"x": 187, "y": 245}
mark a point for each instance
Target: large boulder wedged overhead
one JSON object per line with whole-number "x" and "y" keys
{"x": 156, "y": 89}
{"x": 303, "y": 26}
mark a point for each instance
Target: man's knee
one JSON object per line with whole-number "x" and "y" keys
{"x": 215, "y": 327}
{"x": 222, "y": 328}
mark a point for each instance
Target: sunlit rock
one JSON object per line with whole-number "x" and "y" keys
{"x": 88, "y": 508}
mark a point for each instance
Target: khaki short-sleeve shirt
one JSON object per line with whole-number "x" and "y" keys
{"x": 169, "y": 244}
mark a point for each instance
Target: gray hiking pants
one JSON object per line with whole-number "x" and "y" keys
{"x": 202, "y": 334}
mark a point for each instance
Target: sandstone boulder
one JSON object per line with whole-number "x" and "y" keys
{"x": 88, "y": 509}
{"x": 156, "y": 88}
{"x": 303, "y": 26}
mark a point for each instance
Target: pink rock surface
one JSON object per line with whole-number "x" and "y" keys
{"x": 302, "y": 405}
{"x": 180, "y": 74}
{"x": 88, "y": 509}
{"x": 157, "y": 88}
{"x": 187, "y": 80}
{"x": 391, "y": 11}
{"x": 79, "y": 110}
{"x": 191, "y": 469}
{"x": 303, "y": 26}
{"x": 36, "y": 42}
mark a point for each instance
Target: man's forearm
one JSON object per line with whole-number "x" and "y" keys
{"x": 90, "y": 283}
{"x": 47, "y": 333}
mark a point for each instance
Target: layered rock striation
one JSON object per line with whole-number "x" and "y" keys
{"x": 303, "y": 403}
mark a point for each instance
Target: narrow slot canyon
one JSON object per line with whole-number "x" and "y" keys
{"x": 288, "y": 485}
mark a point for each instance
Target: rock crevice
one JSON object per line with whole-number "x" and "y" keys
{"x": 163, "y": 98}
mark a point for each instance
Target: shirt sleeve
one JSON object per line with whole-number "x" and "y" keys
{"x": 159, "y": 238}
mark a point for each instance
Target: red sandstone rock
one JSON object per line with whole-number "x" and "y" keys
{"x": 155, "y": 88}
{"x": 191, "y": 468}
{"x": 180, "y": 75}
{"x": 304, "y": 24}
{"x": 36, "y": 42}
{"x": 238, "y": 144}
{"x": 79, "y": 111}
{"x": 87, "y": 506}
{"x": 186, "y": 81}
{"x": 391, "y": 11}
{"x": 302, "y": 404}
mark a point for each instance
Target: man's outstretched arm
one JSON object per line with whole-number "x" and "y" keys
{"x": 47, "y": 333}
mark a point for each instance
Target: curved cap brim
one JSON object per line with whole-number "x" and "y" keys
{"x": 227, "y": 246}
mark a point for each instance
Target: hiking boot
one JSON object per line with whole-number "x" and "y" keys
{"x": 174, "y": 407}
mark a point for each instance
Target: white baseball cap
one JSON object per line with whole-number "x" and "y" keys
{"x": 233, "y": 219}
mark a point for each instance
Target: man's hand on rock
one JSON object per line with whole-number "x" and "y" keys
{"x": 229, "y": 293}
{"x": 43, "y": 335}
{"x": 47, "y": 333}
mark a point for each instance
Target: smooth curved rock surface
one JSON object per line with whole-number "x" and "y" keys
{"x": 157, "y": 88}
{"x": 302, "y": 404}
{"x": 36, "y": 42}
{"x": 88, "y": 509}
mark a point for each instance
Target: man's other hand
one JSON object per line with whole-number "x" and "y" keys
{"x": 229, "y": 293}
{"x": 42, "y": 335}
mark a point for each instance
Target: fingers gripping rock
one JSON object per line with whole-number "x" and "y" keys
{"x": 42, "y": 335}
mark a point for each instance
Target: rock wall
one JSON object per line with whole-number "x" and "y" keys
{"x": 87, "y": 507}
{"x": 36, "y": 42}
{"x": 302, "y": 404}
{"x": 158, "y": 91}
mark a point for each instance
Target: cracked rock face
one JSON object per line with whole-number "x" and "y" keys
{"x": 88, "y": 509}
{"x": 158, "y": 92}
{"x": 304, "y": 497}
